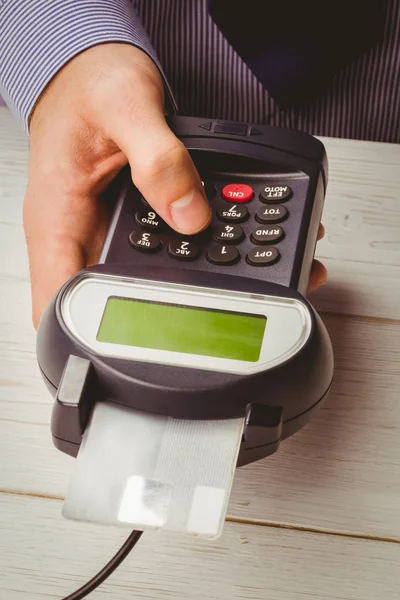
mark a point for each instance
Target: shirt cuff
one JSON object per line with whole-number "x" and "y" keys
{"x": 40, "y": 36}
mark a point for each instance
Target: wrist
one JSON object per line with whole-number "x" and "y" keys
{"x": 95, "y": 79}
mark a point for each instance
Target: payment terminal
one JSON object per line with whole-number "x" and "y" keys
{"x": 214, "y": 326}
{"x": 178, "y": 358}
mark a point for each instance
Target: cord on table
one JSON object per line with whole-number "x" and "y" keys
{"x": 110, "y": 567}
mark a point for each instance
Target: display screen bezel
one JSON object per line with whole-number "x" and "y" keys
{"x": 83, "y": 302}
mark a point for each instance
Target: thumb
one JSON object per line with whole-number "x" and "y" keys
{"x": 161, "y": 167}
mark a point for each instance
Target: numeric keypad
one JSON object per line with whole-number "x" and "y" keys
{"x": 245, "y": 215}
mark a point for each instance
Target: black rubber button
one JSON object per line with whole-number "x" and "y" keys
{"x": 267, "y": 235}
{"x": 274, "y": 194}
{"x": 272, "y": 214}
{"x": 263, "y": 257}
{"x": 232, "y": 213}
{"x": 142, "y": 240}
{"x": 228, "y": 234}
{"x": 149, "y": 219}
{"x": 183, "y": 250}
{"x": 223, "y": 255}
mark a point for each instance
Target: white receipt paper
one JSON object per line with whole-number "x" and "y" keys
{"x": 154, "y": 472}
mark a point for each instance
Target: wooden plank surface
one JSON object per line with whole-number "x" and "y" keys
{"x": 45, "y": 556}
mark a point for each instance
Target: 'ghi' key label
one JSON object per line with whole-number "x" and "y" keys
{"x": 228, "y": 234}
{"x": 274, "y": 194}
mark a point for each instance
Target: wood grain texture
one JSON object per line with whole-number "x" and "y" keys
{"x": 361, "y": 216}
{"x": 361, "y": 249}
{"x": 342, "y": 472}
{"x": 44, "y": 556}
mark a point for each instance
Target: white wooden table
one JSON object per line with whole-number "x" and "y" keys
{"x": 318, "y": 520}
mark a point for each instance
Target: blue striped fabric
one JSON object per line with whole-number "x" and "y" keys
{"x": 39, "y": 37}
{"x": 208, "y": 78}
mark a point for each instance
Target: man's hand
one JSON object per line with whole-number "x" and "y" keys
{"x": 103, "y": 110}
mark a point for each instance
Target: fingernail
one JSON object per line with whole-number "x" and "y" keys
{"x": 191, "y": 213}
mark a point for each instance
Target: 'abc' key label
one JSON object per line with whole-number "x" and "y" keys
{"x": 183, "y": 250}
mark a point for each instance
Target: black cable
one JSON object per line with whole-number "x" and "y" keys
{"x": 106, "y": 571}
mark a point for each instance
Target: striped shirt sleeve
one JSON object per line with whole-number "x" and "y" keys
{"x": 38, "y": 37}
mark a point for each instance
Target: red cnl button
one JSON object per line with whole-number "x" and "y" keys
{"x": 237, "y": 192}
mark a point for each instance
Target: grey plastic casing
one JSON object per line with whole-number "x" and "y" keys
{"x": 276, "y": 401}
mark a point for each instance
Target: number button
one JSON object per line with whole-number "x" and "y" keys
{"x": 233, "y": 213}
{"x": 148, "y": 219}
{"x": 148, "y": 242}
{"x": 274, "y": 194}
{"x": 228, "y": 234}
{"x": 183, "y": 250}
{"x": 223, "y": 255}
{"x": 267, "y": 235}
{"x": 272, "y": 214}
{"x": 263, "y": 258}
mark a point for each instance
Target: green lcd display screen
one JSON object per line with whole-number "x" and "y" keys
{"x": 200, "y": 331}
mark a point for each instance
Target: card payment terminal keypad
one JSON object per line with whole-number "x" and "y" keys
{"x": 239, "y": 213}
